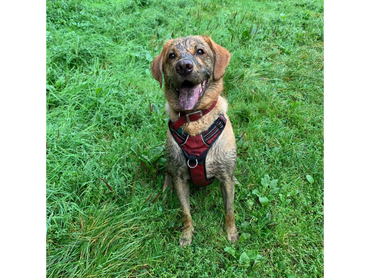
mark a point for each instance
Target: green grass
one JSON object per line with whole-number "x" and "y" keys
{"x": 106, "y": 133}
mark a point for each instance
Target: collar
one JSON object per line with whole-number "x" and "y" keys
{"x": 193, "y": 116}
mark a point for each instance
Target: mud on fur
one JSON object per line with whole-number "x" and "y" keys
{"x": 192, "y": 69}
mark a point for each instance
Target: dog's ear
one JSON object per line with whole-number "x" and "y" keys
{"x": 157, "y": 64}
{"x": 157, "y": 68}
{"x": 222, "y": 58}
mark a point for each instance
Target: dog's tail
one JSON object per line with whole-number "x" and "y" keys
{"x": 236, "y": 181}
{"x": 167, "y": 182}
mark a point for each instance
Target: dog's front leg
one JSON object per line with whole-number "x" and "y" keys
{"x": 227, "y": 189}
{"x": 182, "y": 190}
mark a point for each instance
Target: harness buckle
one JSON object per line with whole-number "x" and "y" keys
{"x": 187, "y": 115}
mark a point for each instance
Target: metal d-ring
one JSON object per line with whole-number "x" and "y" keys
{"x": 196, "y": 164}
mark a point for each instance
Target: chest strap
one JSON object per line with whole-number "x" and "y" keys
{"x": 195, "y": 149}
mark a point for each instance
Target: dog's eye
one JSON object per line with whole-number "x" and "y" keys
{"x": 171, "y": 56}
{"x": 200, "y": 52}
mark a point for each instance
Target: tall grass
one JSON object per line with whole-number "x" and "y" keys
{"x": 106, "y": 215}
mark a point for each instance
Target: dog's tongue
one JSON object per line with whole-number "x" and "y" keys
{"x": 188, "y": 97}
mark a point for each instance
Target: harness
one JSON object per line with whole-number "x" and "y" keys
{"x": 195, "y": 148}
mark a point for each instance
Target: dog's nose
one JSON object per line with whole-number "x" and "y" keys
{"x": 184, "y": 67}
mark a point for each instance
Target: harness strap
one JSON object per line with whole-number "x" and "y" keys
{"x": 195, "y": 149}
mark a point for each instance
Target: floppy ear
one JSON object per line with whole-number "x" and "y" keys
{"x": 222, "y": 58}
{"x": 157, "y": 68}
{"x": 157, "y": 64}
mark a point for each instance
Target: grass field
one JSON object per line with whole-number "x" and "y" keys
{"x": 106, "y": 126}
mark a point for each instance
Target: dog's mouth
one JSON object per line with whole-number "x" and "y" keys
{"x": 189, "y": 94}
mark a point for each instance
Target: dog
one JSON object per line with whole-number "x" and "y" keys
{"x": 200, "y": 143}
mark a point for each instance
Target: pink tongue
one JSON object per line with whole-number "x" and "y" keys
{"x": 188, "y": 97}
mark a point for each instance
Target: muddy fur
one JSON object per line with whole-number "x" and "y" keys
{"x": 209, "y": 61}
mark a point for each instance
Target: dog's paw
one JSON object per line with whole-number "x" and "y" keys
{"x": 233, "y": 238}
{"x": 186, "y": 237}
{"x": 185, "y": 241}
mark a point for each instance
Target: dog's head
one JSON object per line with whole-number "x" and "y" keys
{"x": 193, "y": 68}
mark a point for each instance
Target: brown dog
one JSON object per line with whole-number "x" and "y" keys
{"x": 200, "y": 139}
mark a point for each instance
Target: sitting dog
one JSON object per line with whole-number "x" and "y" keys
{"x": 200, "y": 140}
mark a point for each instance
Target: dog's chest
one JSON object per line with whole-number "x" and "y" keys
{"x": 208, "y": 149}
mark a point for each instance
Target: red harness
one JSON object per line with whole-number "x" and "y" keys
{"x": 195, "y": 148}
